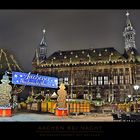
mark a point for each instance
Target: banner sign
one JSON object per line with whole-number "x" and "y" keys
{"x": 34, "y": 80}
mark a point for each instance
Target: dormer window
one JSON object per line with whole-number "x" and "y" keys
{"x": 132, "y": 52}
{"x": 112, "y": 53}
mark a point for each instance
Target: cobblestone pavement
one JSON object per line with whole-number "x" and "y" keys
{"x": 33, "y": 117}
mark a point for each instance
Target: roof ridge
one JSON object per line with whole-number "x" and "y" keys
{"x": 85, "y": 49}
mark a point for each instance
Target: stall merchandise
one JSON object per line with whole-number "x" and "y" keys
{"x": 78, "y": 106}
{"x": 44, "y": 106}
{"x": 51, "y": 106}
{"x": 36, "y": 106}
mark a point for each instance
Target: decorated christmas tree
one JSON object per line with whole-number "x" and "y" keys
{"x": 61, "y": 100}
{"x": 5, "y": 91}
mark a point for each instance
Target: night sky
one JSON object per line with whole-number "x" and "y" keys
{"x": 21, "y": 30}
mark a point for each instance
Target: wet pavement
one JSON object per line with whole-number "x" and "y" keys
{"x": 36, "y": 117}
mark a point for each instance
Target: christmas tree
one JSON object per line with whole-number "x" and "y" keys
{"x": 5, "y": 91}
{"x": 61, "y": 100}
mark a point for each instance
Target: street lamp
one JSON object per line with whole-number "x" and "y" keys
{"x": 136, "y": 87}
{"x": 129, "y": 96}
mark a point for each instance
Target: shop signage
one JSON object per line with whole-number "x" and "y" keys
{"x": 29, "y": 79}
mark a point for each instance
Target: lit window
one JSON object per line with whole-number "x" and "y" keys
{"x": 94, "y": 80}
{"x": 121, "y": 71}
{"x": 115, "y": 71}
{"x": 127, "y": 79}
{"x": 105, "y": 80}
{"x": 60, "y": 80}
{"x": 115, "y": 79}
{"x": 66, "y": 81}
{"x": 100, "y": 80}
{"x": 126, "y": 70}
{"x": 132, "y": 52}
{"x": 121, "y": 79}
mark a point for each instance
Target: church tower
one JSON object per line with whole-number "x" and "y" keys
{"x": 41, "y": 51}
{"x": 129, "y": 36}
{"x": 43, "y": 47}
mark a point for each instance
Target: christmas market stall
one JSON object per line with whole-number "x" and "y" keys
{"x": 78, "y": 106}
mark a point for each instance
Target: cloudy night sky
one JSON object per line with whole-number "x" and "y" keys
{"x": 21, "y": 30}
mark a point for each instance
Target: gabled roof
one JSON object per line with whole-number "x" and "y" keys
{"x": 85, "y": 55}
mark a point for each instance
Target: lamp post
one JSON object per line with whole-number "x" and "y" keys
{"x": 129, "y": 96}
{"x": 136, "y": 87}
{"x": 110, "y": 97}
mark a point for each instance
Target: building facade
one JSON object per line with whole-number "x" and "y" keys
{"x": 88, "y": 72}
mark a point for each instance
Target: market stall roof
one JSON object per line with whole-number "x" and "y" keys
{"x": 54, "y": 95}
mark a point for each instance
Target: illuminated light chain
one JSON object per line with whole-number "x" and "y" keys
{"x": 15, "y": 62}
{"x": 0, "y": 54}
{"x": 7, "y": 61}
{"x": 11, "y": 56}
{"x": 37, "y": 57}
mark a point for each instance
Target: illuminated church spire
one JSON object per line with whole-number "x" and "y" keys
{"x": 43, "y": 46}
{"x": 43, "y": 42}
{"x": 129, "y": 34}
{"x": 128, "y": 22}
